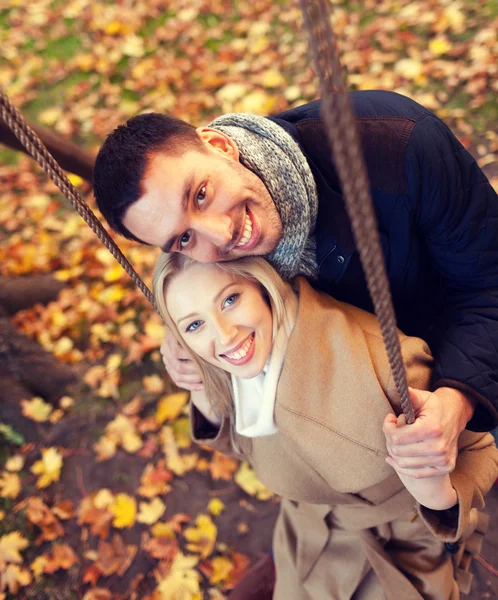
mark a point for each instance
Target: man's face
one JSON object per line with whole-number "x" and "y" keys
{"x": 205, "y": 205}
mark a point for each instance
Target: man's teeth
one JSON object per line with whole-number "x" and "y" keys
{"x": 241, "y": 352}
{"x": 247, "y": 232}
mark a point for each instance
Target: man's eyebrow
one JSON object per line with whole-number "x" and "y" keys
{"x": 187, "y": 190}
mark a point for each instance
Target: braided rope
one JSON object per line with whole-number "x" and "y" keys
{"x": 346, "y": 148}
{"x": 39, "y": 152}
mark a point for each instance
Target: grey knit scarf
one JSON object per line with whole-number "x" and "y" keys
{"x": 271, "y": 153}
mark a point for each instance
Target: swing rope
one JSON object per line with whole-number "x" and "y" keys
{"x": 30, "y": 140}
{"x": 346, "y": 148}
{"x": 344, "y": 140}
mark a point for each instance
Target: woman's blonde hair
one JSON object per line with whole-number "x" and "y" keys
{"x": 217, "y": 383}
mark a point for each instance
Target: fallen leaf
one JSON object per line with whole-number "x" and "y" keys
{"x": 169, "y": 407}
{"x": 15, "y": 463}
{"x": 216, "y": 506}
{"x": 202, "y": 537}
{"x": 61, "y": 557}
{"x": 12, "y": 577}
{"x": 115, "y": 556}
{"x": 11, "y": 544}
{"x": 154, "y": 480}
{"x": 150, "y": 512}
{"x": 10, "y": 485}
{"x": 182, "y": 581}
{"x": 222, "y": 467}
{"x": 124, "y": 510}
{"x": 247, "y": 480}
{"x": 48, "y": 468}
{"x": 36, "y": 409}
{"x": 38, "y": 513}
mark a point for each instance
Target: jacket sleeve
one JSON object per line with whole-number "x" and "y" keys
{"x": 475, "y": 472}
{"x": 456, "y": 211}
{"x": 216, "y": 437}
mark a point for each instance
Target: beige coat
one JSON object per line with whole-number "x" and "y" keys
{"x": 347, "y": 523}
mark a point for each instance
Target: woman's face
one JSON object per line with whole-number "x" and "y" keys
{"x": 223, "y": 318}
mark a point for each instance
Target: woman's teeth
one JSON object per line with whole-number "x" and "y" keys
{"x": 241, "y": 352}
{"x": 246, "y": 236}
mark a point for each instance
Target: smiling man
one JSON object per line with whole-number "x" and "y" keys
{"x": 249, "y": 185}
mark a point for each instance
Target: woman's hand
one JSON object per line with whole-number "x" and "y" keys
{"x": 181, "y": 369}
{"x": 433, "y": 491}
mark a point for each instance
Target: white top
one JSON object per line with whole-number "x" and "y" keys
{"x": 254, "y": 399}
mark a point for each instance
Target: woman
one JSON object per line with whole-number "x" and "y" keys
{"x": 299, "y": 385}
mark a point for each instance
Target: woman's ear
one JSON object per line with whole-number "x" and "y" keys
{"x": 218, "y": 141}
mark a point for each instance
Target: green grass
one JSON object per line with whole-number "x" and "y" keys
{"x": 65, "y": 47}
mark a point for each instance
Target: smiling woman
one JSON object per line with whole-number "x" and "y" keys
{"x": 299, "y": 385}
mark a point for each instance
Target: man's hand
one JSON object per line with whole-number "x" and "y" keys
{"x": 181, "y": 369}
{"x": 428, "y": 447}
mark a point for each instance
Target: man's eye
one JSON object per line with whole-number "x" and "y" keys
{"x": 193, "y": 326}
{"x": 230, "y": 300}
{"x": 184, "y": 240}
{"x": 201, "y": 196}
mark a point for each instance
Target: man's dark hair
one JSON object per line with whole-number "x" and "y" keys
{"x": 124, "y": 157}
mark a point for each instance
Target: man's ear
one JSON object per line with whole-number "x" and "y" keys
{"x": 217, "y": 141}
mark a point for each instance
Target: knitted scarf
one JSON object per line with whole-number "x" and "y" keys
{"x": 271, "y": 153}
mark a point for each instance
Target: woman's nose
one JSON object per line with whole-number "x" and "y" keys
{"x": 227, "y": 332}
{"x": 218, "y": 229}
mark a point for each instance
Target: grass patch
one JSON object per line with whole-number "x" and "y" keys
{"x": 65, "y": 47}
{"x": 150, "y": 27}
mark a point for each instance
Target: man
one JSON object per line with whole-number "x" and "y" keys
{"x": 253, "y": 185}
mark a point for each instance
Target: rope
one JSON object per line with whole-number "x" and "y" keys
{"x": 39, "y": 152}
{"x": 346, "y": 149}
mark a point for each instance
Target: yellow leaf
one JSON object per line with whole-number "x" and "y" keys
{"x": 169, "y": 407}
{"x": 176, "y": 463}
{"x": 66, "y": 402}
{"x": 131, "y": 442}
{"x": 153, "y": 384}
{"x": 113, "y": 362}
{"x": 201, "y": 538}
{"x": 112, "y": 294}
{"x": 49, "y": 467}
{"x": 38, "y": 565}
{"x": 10, "y": 546}
{"x": 160, "y": 530}
{"x": 36, "y": 409}
{"x": 56, "y": 416}
{"x": 76, "y": 180}
{"x": 409, "y": 68}
{"x": 10, "y": 485}
{"x": 50, "y": 116}
{"x": 150, "y": 512}
{"x": 13, "y": 577}
{"x": 124, "y": 510}
{"x": 105, "y": 448}
{"x": 272, "y": 78}
{"x": 258, "y": 102}
{"x": 103, "y": 498}
{"x": 154, "y": 328}
{"x": 15, "y": 463}
{"x": 439, "y": 46}
{"x": 2, "y": 515}
{"x": 247, "y": 480}
{"x": 222, "y": 567}
{"x": 215, "y": 506}
{"x": 114, "y": 273}
{"x": 182, "y": 582}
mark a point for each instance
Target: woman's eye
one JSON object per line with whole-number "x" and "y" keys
{"x": 193, "y": 326}
{"x": 201, "y": 196}
{"x": 184, "y": 240}
{"x": 230, "y": 300}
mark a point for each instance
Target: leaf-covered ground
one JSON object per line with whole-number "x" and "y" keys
{"x": 102, "y": 495}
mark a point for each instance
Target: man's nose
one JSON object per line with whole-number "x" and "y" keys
{"x": 218, "y": 229}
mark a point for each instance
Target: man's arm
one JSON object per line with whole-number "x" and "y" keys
{"x": 457, "y": 214}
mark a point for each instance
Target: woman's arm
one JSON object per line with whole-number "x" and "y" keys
{"x": 200, "y": 401}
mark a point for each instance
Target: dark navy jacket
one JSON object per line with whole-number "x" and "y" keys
{"x": 438, "y": 223}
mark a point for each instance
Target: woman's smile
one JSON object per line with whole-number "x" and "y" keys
{"x": 243, "y": 352}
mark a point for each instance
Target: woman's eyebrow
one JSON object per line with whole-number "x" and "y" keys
{"x": 187, "y": 190}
